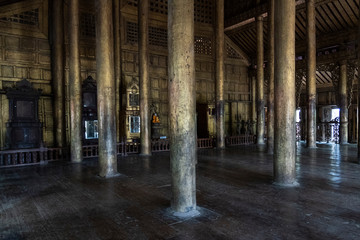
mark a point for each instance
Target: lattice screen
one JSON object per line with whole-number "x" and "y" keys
{"x": 203, "y": 9}
{"x": 159, "y": 6}
{"x": 132, "y": 3}
{"x": 87, "y": 25}
{"x": 158, "y": 37}
{"x": 27, "y": 18}
{"x": 231, "y": 52}
{"x": 203, "y": 45}
{"x": 131, "y": 32}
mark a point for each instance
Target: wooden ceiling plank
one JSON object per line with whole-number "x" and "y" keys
{"x": 332, "y": 18}
{"x": 322, "y": 17}
{"x": 321, "y": 78}
{"x": 300, "y": 25}
{"x": 349, "y": 11}
{"x": 244, "y": 44}
{"x": 338, "y": 16}
{"x": 346, "y": 17}
{"x": 328, "y": 76}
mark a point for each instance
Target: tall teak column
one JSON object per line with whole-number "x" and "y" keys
{"x": 117, "y": 62}
{"x": 253, "y": 103}
{"x": 284, "y": 142}
{"x": 57, "y": 47}
{"x": 143, "y": 17}
{"x": 105, "y": 88}
{"x": 220, "y": 118}
{"x": 75, "y": 84}
{"x": 182, "y": 105}
{"x": 311, "y": 74}
{"x": 271, "y": 61}
{"x": 343, "y": 103}
{"x": 260, "y": 104}
{"x": 358, "y": 88}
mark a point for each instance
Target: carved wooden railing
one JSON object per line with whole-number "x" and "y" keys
{"x": 205, "y": 142}
{"x": 131, "y": 148}
{"x": 90, "y": 151}
{"x": 122, "y": 148}
{"x": 160, "y": 145}
{"x": 22, "y": 157}
{"x": 328, "y": 132}
{"x": 240, "y": 140}
{"x": 298, "y": 132}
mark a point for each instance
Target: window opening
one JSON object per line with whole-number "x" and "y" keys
{"x": 134, "y": 124}
{"x": 91, "y": 129}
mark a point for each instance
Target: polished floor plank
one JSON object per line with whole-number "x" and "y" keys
{"x": 235, "y": 195}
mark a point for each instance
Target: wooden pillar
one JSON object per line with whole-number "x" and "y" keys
{"x": 284, "y": 144}
{"x": 358, "y": 90}
{"x": 105, "y": 88}
{"x": 271, "y": 60}
{"x": 220, "y": 77}
{"x": 182, "y": 105}
{"x": 253, "y": 103}
{"x": 311, "y": 73}
{"x": 117, "y": 62}
{"x": 57, "y": 48}
{"x": 75, "y": 84}
{"x": 343, "y": 103}
{"x": 260, "y": 103}
{"x": 143, "y": 17}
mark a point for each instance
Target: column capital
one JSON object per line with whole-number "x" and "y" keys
{"x": 343, "y": 62}
{"x": 259, "y": 18}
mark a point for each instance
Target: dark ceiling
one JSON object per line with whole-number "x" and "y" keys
{"x": 336, "y": 28}
{"x": 6, "y": 2}
{"x": 336, "y": 25}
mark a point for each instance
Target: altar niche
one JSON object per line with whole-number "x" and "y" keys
{"x": 23, "y": 130}
{"x": 89, "y": 114}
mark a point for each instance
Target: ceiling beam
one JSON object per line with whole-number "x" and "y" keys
{"x": 345, "y": 38}
{"x": 249, "y": 16}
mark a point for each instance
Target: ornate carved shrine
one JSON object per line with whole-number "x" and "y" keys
{"x": 24, "y": 130}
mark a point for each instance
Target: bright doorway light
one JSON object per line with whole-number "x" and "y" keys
{"x": 297, "y": 115}
{"x": 335, "y": 113}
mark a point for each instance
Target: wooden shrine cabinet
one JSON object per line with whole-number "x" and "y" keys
{"x": 23, "y": 130}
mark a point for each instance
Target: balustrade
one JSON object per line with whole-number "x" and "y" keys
{"x": 21, "y": 157}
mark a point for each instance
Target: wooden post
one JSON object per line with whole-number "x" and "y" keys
{"x": 57, "y": 48}
{"x": 220, "y": 78}
{"x": 145, "y": 138}
{"x": 75, "y": 84}
{"x": 344, "y": 113}
{"x": 311, "y": 73}
{"x": 106, "y": 89}
{"x": 284, "y": 142}
{"x": 271, "y": 61}
{"x": 260, "y": 103}
{"x": 182, "y": 106}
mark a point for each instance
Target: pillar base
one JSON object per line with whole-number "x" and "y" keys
{"x": 189, "y": 214}
{"x": 270, "y": 151}
{"x": 145, "y": 154}
{"x": 111, "y": 175}
{"x": 261, "y": 147}
{"x": 287, "y": 185}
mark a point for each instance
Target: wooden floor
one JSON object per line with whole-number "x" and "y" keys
{"x": 235, "y": 195}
